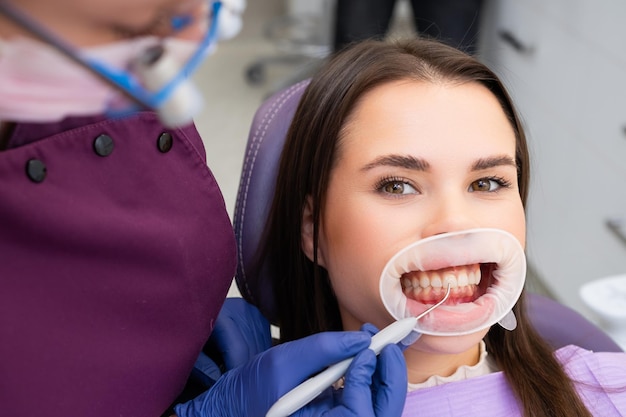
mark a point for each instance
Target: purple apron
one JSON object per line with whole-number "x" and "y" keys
{"x": 491, "y": 396}
{"x": 116, "y": 254}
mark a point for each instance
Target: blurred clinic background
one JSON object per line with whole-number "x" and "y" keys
{"x": 564, "y": 62}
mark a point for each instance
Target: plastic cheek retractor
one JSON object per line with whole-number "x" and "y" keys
{"x": 485, "y": 268}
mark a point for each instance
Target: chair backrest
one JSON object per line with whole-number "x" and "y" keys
{"x": 558, "y": 324}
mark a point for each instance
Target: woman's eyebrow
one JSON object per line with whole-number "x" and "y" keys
{"x": 401, "y": 161}
{"x": 492, "y": 162}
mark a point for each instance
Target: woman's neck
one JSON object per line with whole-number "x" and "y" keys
{"x": 422, "y": 365}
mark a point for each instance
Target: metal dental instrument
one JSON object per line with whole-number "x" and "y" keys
{"x": 312, "y": 387}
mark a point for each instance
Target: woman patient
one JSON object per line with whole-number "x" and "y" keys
{"x": 397, "y": 142}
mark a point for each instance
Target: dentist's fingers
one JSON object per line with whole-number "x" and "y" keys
{"x": 314, "y": 353}
{"x": 389, "y": 382}
{"x": 356, "y": 396}
{"x": 369, "y": 328}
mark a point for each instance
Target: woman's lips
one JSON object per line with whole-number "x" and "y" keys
{"x": 449, "y": 259}
{"x": 428, "y": 287}
{"x": 464, "y": 308}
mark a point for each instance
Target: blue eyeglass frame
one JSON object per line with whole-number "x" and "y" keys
{"x": 121, "y": 79}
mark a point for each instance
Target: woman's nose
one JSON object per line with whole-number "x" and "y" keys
{"x": 450, "y": 214}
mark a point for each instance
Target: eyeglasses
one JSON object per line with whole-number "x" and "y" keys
{"x": 129, "y": 84}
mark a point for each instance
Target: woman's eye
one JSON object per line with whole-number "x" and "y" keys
{"x": 397, "y": 188}
{"x": 488, "y": 184}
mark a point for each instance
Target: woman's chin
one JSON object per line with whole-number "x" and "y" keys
{"x": 447, "y": 345}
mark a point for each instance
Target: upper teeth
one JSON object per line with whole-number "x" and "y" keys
{"x": 455, "y": 277}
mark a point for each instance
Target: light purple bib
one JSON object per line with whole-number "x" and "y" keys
{"x": 491, "y": 396}
{"x": 116, "y": 254}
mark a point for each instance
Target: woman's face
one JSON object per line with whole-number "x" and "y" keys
{"x": 415, "y": 160}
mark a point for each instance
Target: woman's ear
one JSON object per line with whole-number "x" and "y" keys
{"x": 307, "y": 232}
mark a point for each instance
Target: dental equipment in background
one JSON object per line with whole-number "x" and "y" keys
{"x": 312, "y": 387}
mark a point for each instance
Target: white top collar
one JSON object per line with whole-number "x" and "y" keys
{"x": 484, "y": 366}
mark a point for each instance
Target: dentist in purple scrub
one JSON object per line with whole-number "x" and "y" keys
{"x": 116, "y": 250}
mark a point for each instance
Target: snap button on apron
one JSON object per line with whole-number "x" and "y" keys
{"x": 103, "y": 145}
{"x": 165, "y": 141}
{"x": 36, "y": 170}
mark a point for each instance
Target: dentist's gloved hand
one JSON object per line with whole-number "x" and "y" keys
{"x": 386, "y": 383}
{"x": 240, "y": 332}
{"x": 372, "y": 388}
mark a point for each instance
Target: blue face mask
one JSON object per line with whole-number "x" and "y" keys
{"x": 156, "y": 81}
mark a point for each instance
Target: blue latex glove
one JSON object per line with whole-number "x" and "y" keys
{"x": 372, "y": 388}
{"x": 387, "y": 388}
{"x": 240, "y": 332}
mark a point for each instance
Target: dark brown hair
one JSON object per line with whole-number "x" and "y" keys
{"x": 305, "y": 298}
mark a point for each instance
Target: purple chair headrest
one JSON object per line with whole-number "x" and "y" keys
{"x": 558, "y": 324}
{"x": 256, "y": 188}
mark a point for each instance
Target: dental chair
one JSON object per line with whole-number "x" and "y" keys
{"x": 302, "y": 39}
{"x": 558, "y": 324}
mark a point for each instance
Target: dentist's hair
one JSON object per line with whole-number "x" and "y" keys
{"x": 305, "y": 298}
